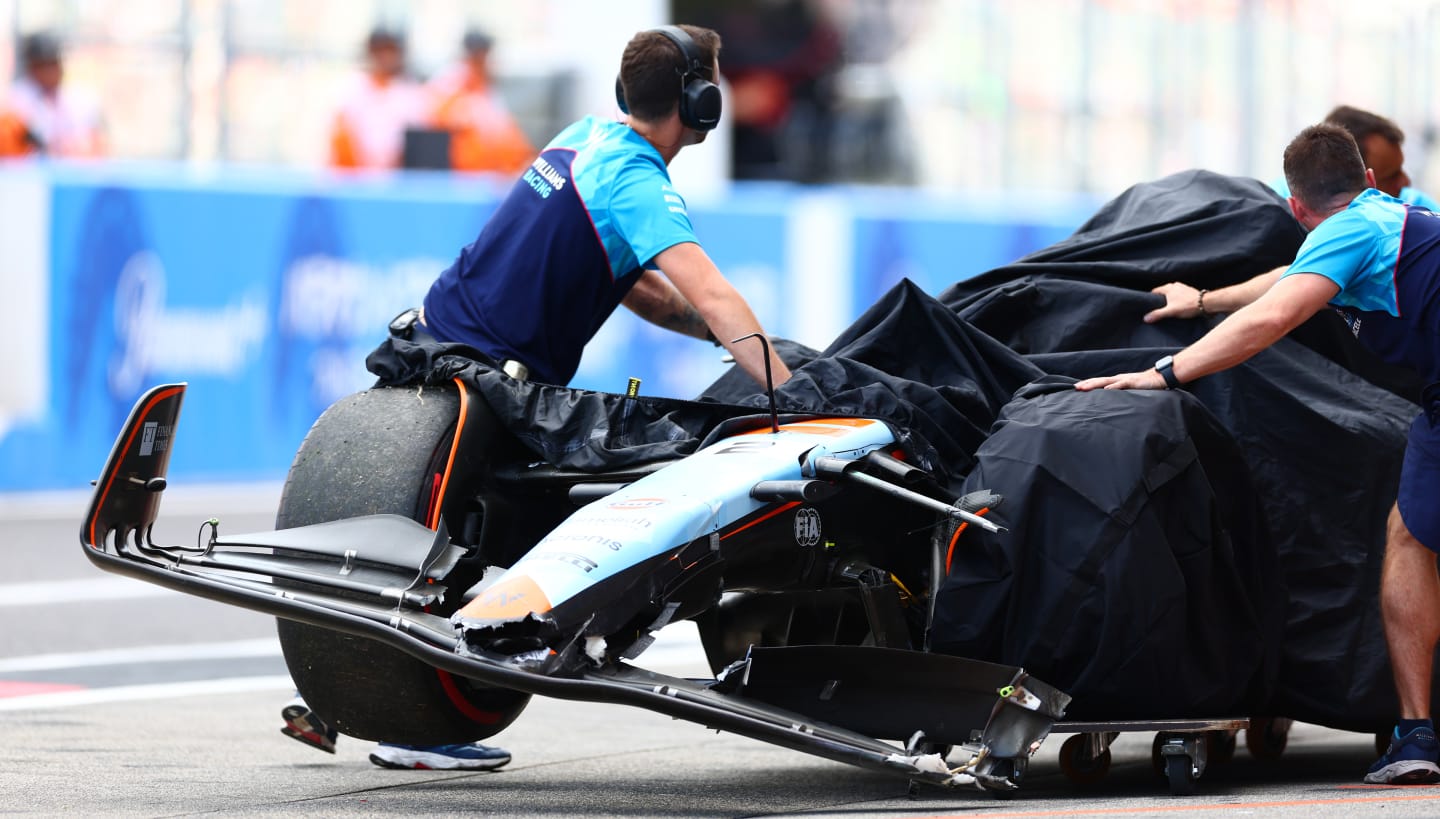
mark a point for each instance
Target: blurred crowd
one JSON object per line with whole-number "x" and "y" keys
{"x": 383, "y": 119}
{"x": 816, "y": 91}
{"x": 457, "y": 120}
{"x": 788, "y": 66}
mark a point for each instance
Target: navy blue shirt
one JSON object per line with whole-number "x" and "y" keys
{"x": 1385, "y": 257}
{"x": 561, "y": 251}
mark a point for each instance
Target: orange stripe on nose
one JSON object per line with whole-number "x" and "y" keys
{"x": 508, "y": 600}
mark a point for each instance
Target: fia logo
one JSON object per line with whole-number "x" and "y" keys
{"x": 807, "y": 526}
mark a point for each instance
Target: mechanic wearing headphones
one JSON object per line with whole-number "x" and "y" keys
{"x": 588, "y": 223}
{"x": 577, "y": 235}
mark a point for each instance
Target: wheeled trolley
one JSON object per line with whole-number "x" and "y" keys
{"x": 1182, "y": 747}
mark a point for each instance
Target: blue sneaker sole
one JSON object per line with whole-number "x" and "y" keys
{"x": 1406, "y": 772}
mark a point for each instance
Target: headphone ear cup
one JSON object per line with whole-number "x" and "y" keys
{"x": 620, "y": 96}
{"x": 700, "y": 105}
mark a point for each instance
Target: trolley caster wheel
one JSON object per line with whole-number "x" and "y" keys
{"x": 1079, "y": 762}
{"x": 1220, "y": 747}
{"x": 1266, "y": 737}
{"x": 1181, "y": 774}
{"x": 1180, "y": 758}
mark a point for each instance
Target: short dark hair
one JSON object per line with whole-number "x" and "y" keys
{"x": 652, "y": 65}
{"x": 40, "y": 47}
{"x": 1363, "y": 124}
{"x": 1323, "y": 163}
{"x": 385, "y": 37}
{"x": 476, "y": 40}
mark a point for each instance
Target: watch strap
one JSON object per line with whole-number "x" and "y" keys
{"x": 1166, "y": 368}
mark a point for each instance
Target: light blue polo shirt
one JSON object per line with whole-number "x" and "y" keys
{"x": 561, "y": 251}
{"x": 1384, "y": 255}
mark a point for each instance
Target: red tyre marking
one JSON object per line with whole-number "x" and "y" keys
{"x": 463, "y": 705}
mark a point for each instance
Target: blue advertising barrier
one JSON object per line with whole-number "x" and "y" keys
{"x": 265, "y": 293}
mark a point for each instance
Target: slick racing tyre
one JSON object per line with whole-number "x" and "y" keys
{"x": 389, "y": 451}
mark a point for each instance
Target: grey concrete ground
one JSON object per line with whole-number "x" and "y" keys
{"x": 224, "y": 754}
{"x": 118, "y": 699}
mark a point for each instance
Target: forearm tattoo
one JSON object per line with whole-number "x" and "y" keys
{"x": 685, "y": 319}
{"x": 662, "y": 305}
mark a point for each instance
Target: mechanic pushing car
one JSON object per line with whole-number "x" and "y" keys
{"x": 589, "y": 222}
{"x": 1376, "y": 260}
{"x": 581, "y": 232}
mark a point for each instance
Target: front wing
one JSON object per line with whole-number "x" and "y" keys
{"x": 356, "y": 584}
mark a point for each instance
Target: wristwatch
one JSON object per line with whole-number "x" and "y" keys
{"x": 1166, "y": 368}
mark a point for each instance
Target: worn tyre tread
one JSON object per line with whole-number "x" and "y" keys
{"x": 375, "y": 452}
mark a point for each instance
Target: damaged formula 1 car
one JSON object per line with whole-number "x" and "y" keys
{"x": 1197, "y": 554}
{"x": 430, "y": 576}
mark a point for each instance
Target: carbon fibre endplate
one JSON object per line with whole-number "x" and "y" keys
{"x": 127, "y": 494}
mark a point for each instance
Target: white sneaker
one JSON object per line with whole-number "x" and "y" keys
{"x": 468, "y": 757}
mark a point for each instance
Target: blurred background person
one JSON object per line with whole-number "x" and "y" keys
{"x": 483, "y": 134}
{"x": 1380, "y": 142}
{"x": 43, "y": 116}
{"x": 377, "y": 107}
{"x": 782, "y": 58}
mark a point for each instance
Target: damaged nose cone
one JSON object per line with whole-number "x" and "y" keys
{"x": 510, "y": 599}
{"x": 510, "y": 618}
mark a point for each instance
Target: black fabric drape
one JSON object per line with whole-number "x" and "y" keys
{"x": 1204, "y": 552}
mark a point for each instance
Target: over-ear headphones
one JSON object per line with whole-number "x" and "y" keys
{"x": 699, "y": 98}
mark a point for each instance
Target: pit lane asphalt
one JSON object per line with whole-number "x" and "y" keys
{"x": 117, "y": 698}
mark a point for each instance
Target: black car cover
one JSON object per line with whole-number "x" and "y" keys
{"x": 1201, "y": 228}
{"x": 1137, "y": 568}
{"x": 908, "y": 360}
{"x": 1212, "y": 551}
{"x": 1320, "y": 423}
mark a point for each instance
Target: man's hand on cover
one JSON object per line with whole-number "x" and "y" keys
{"x": 1144, "y": 380}
{"x": 1181, "y": 301}
{"x": 1283, "y": 304}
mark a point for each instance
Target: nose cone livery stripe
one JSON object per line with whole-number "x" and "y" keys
{"x": 687, "y": 500}
{"x": 510, "y": 599}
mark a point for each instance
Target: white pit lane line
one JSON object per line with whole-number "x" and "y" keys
{"x": 157, "y": 691}
{"x": 238, "y": 649}
{"x": 677, "y": 645}
{"x": 90, "y": 590}
{"x": 176, "y": 652}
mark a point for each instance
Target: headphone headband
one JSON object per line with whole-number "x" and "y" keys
{"x": 699, "y": 105}
{"x": 689, "y": 51}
